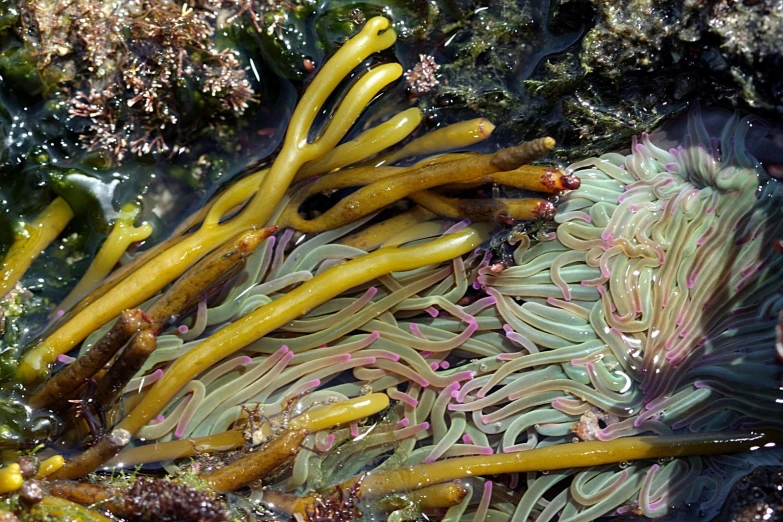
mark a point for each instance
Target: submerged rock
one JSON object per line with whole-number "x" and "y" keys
{"x": 594, "y": 72}
{"x": 751, "y": 43}
{"x": 738, "y": 43}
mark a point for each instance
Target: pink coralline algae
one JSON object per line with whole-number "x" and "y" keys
{"x": 422, "y": 78}
{"x": 145, "y": 76}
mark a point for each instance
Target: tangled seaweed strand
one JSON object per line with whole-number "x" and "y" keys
{"x": 385, "y": 186}
{"x": 31, "y": 241}
{"x": 273, "y": 315}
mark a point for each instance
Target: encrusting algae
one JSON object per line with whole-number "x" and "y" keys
{"x": 374, "y": 356}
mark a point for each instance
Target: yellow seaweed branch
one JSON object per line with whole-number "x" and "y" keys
{"x": 375, "y": 235}
{"x": 451, "y": 137}
{"x": 176, "y": 449}
{"x": 561, "y": 456}
{"x": 386, "y": 185}
{"x": 122, "y": 235}
{"x": 259, "y": 464}
{"x": 340, "y": 413}
{"x": 10, "y": 478}
{"x": 164, "y": 268}
{"x": 31, "y": 241}
{"x": 316, "y": 419}
{"x": 267, "y": 318}
{"x": 367, "y": 144}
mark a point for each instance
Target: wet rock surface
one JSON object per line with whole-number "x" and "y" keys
{"x": 593, "y": 72}
{"x": 758, "y": 496}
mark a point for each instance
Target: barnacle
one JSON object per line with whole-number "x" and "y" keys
{"x": 372, "y": 355}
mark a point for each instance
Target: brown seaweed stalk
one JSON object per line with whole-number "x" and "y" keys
{"x": 90, "y": 459}
{"x": 522, "y": 154}
{"x": 180, "y": 297}
{"x": 484, "y": 209}
{"x": 259, "y": 464}
{"x": 62, "y": 386}
{"x": 439, "y": 496}
{"x": 82, "y": 492}
{"x": 138, "y": 260}
{"x": 124, "y": 368}
{"x": 220, "y": 264}
{"x": 55, "y": 508}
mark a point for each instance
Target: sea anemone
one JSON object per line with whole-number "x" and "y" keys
{"x": 654, "y": 308}
{"x": 651, "y": 310}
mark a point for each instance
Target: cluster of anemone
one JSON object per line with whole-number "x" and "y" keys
{"x": 354, "y": 360}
